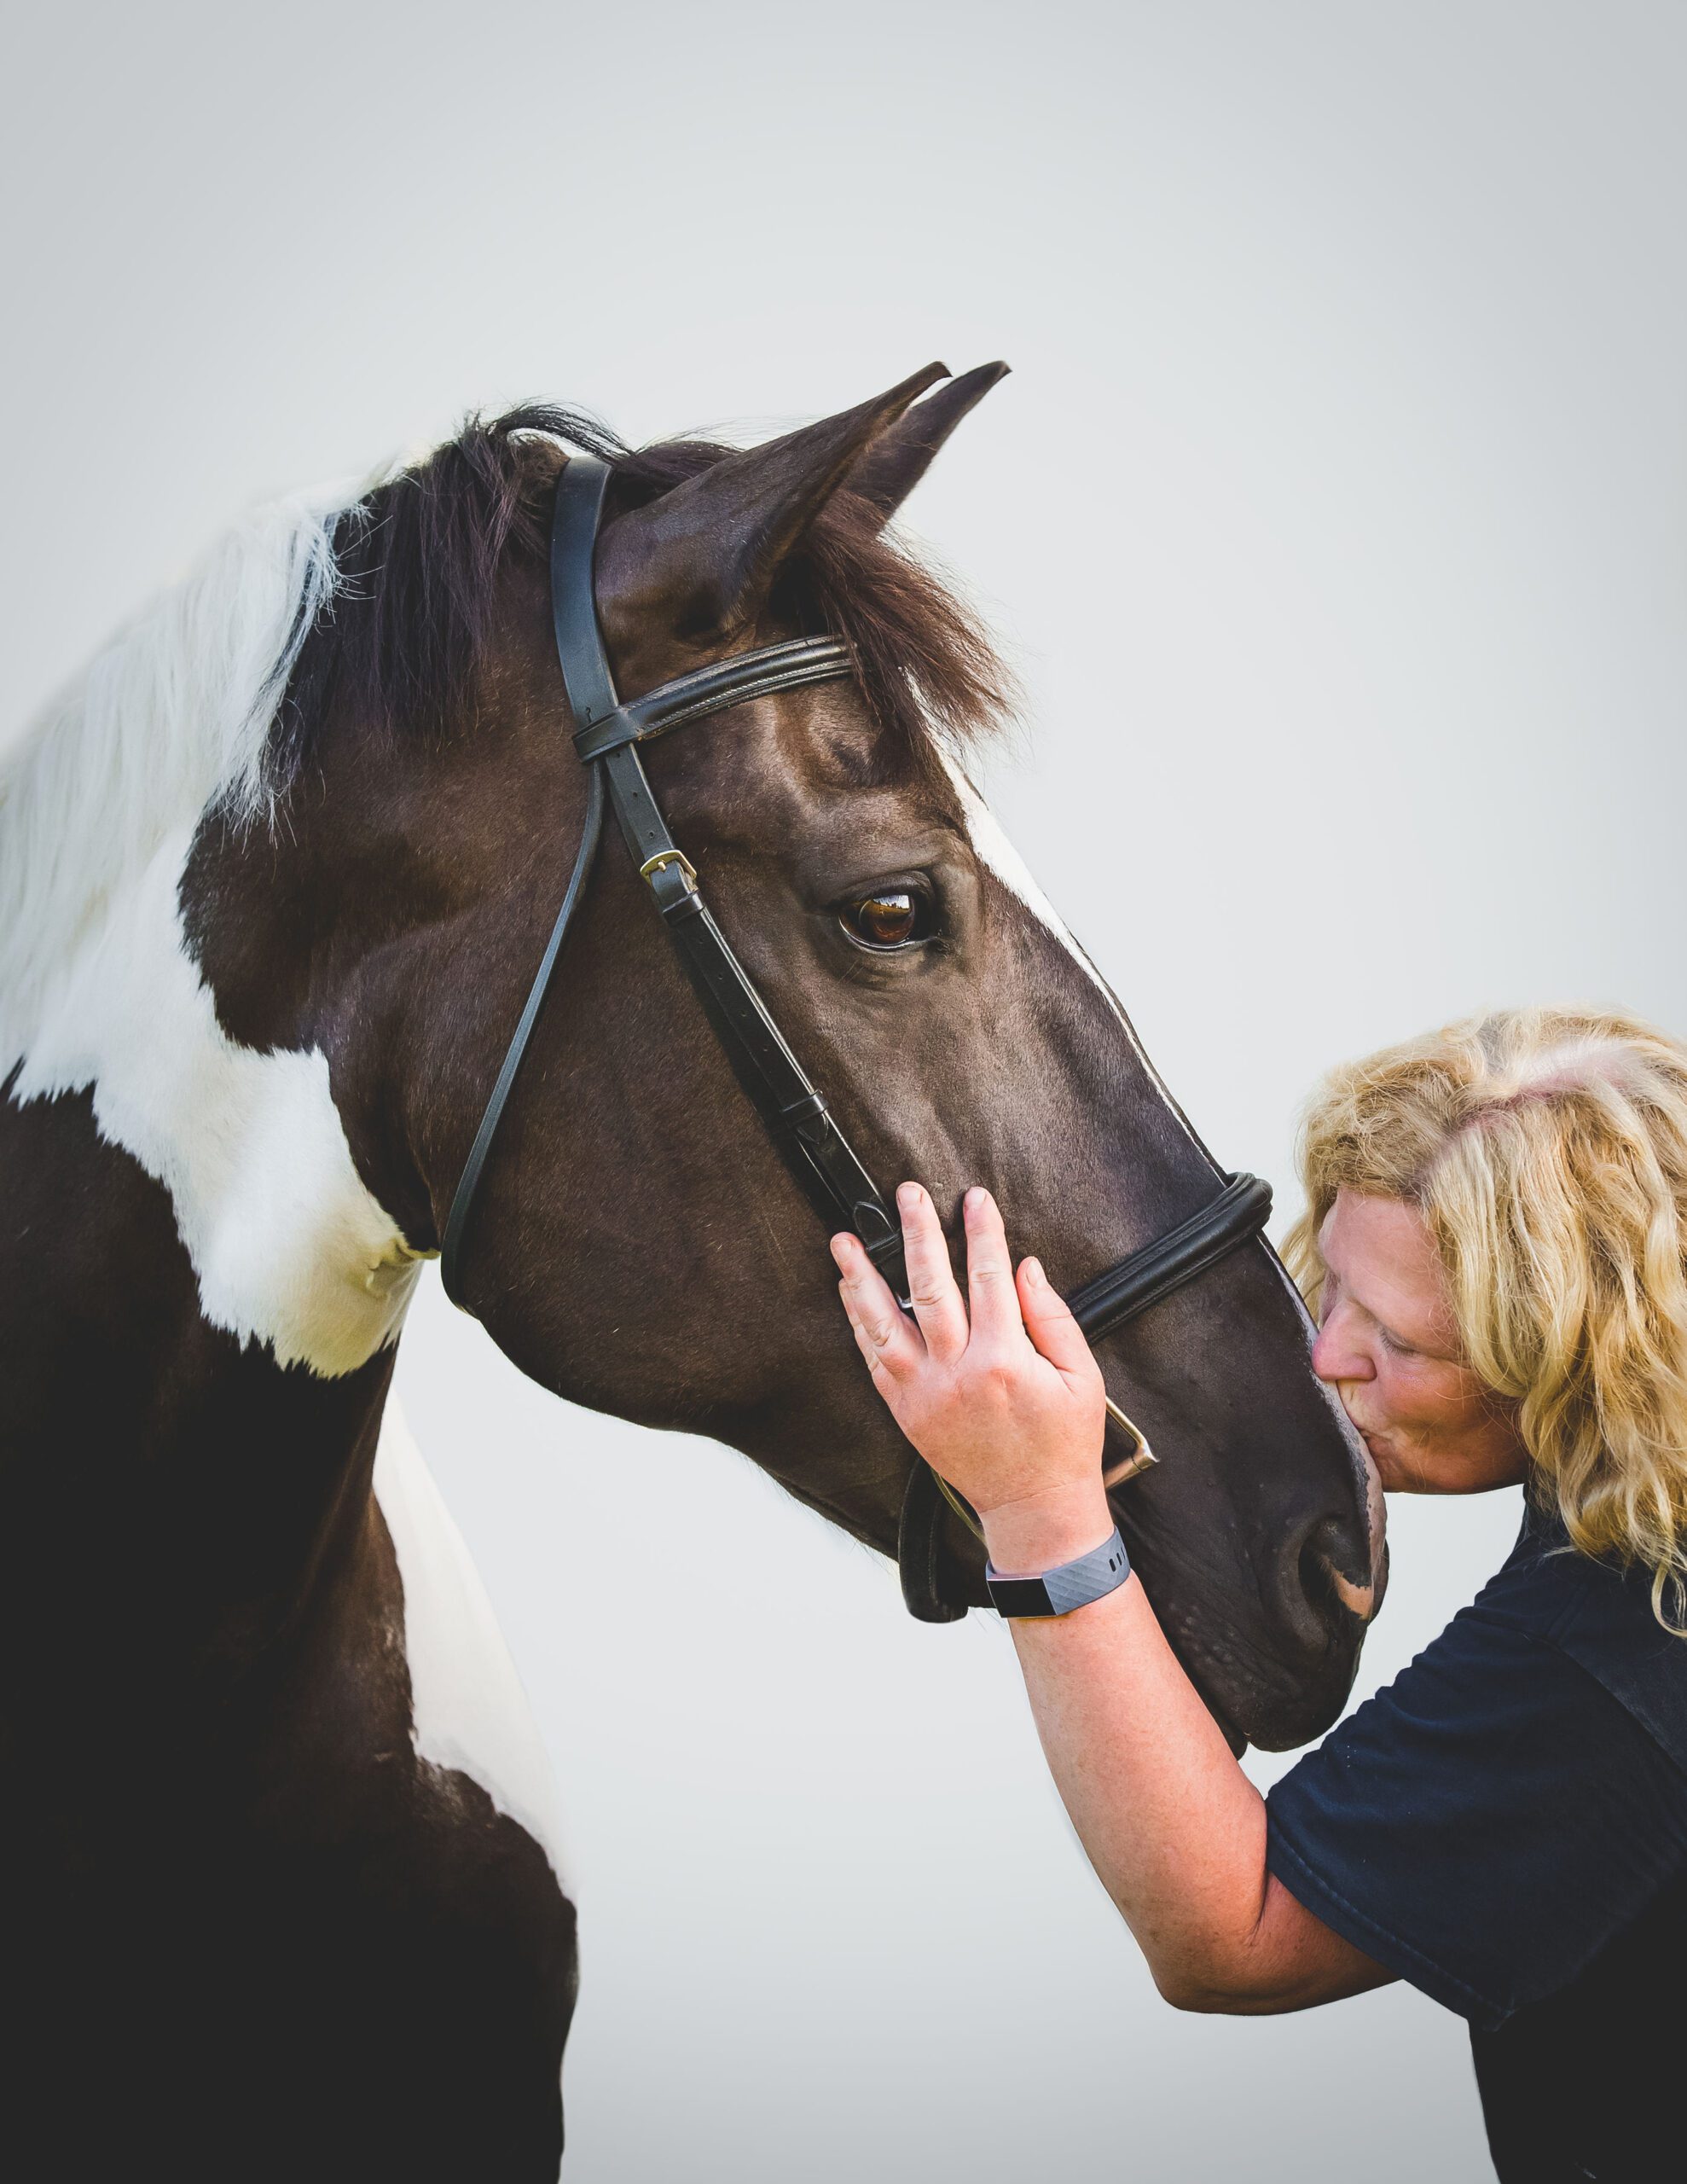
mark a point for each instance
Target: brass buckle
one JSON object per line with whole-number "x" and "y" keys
{"x": 660, "y": 861}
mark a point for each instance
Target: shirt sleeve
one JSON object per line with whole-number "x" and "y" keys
{"x": 1484, "y": 1825}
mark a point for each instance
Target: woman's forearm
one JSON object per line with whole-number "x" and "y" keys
{"x": 1008, "y": 1404}
{"x": 1172, "y": 1825}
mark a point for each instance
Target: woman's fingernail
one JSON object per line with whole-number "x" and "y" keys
{"x": 976, "y": 1198}
{"x": 907, "y": 1196}
{"x": 840, "y": 1247}
{"x": 1033, "y": 1271}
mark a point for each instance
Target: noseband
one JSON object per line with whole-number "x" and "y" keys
{"x": 607, "y": 733}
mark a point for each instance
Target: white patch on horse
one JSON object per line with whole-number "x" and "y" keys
{"x": 289, "y": 1246}
{"x": 100, "y": 992}
{"x": 172, "y": 714}
{"x": 468, "y": 1709}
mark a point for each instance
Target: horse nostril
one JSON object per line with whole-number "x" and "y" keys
{"x": 1337, "y": 1574}
{"x": 1324, "y": 1590}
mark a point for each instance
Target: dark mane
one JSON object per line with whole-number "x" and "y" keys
{"x": 402, "y": 639}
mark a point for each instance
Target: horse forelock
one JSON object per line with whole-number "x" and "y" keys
{"x": 404, "y": 641}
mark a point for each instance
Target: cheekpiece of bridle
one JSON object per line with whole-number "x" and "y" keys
{"x": 607, "y": 732}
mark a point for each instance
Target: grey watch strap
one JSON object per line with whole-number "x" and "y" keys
{"x": 1071, "y": 1585}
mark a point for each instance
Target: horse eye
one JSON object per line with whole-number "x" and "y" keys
{"x": 889, "y": 919}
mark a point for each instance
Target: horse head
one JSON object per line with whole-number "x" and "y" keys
{"x": 636, "y": 1243}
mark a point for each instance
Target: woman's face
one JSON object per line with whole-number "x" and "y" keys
{"x": 1389, "y": 1346}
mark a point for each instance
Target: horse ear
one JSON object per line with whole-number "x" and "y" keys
{"x": 895, "y": 462}
{"x": 703, "y": 557}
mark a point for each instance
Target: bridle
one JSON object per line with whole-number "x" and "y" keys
{"x": 607, "y": 732}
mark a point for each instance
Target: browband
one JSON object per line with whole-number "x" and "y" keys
{"x": 732, "y": 682}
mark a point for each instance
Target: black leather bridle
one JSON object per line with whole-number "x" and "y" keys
{"x": 607, "y": 733}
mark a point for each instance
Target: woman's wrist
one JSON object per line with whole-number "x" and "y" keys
{"x": 1044, "y": 1530}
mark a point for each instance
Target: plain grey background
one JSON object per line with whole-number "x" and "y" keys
{"x": 1335, "y": 518}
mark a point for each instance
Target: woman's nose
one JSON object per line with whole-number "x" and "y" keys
{"x": 1338, "y": 1353}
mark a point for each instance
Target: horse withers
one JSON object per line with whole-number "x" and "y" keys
{"x": 274, "y": 877}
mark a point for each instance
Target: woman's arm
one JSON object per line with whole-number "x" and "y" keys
{"x": 1007, "y": 1404}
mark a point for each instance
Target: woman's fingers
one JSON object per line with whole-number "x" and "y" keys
{"x": 932, "y": 1292}
{"x": 989, "y": 1273}
{"x": 887, "y": 1336}
{"x": 1055, "y": 1334}
{"x": 1000, "y": 1307}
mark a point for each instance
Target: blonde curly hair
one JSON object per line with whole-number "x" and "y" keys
{"x": 1547, "y": 1152}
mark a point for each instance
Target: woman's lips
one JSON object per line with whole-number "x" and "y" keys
{"x": 1378, "y": 1445}
{"x": 1373, "y": 1437}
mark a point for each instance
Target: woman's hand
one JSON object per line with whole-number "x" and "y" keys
{"x": 1009, "y": 1408}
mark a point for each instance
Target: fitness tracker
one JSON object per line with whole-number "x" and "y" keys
{"x": 1058, "y": 1591}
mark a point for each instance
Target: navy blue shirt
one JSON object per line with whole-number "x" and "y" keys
{"x": 1505, "y": 1826}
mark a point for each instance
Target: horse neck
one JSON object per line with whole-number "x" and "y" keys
{"x": 201, "y": 1301}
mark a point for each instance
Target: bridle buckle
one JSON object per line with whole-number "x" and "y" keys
{"x": 663, "y": 859}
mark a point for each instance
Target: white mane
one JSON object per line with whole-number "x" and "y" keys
{"x": 101, "y": 992}
{"x": 168, "y": 716}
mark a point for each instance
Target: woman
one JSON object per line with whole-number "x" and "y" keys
{"x": 1493, "y": 1244}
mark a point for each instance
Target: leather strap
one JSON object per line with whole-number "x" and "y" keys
{"x": 689, "y": 697}
{"x": 794, "y": 1110}
{"x": 1240, "y": 1211}
{"x": 575, "y": 514}
{"x": 606, "y": 734}
{"x": 451, "y": 1244}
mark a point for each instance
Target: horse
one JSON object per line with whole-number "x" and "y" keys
{"x": 281, "y": 1883}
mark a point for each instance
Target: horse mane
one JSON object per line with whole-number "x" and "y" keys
{"x": 381, "y": 597}
{"x": 400, "y": 639}
{"x": 171, "y": 714}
